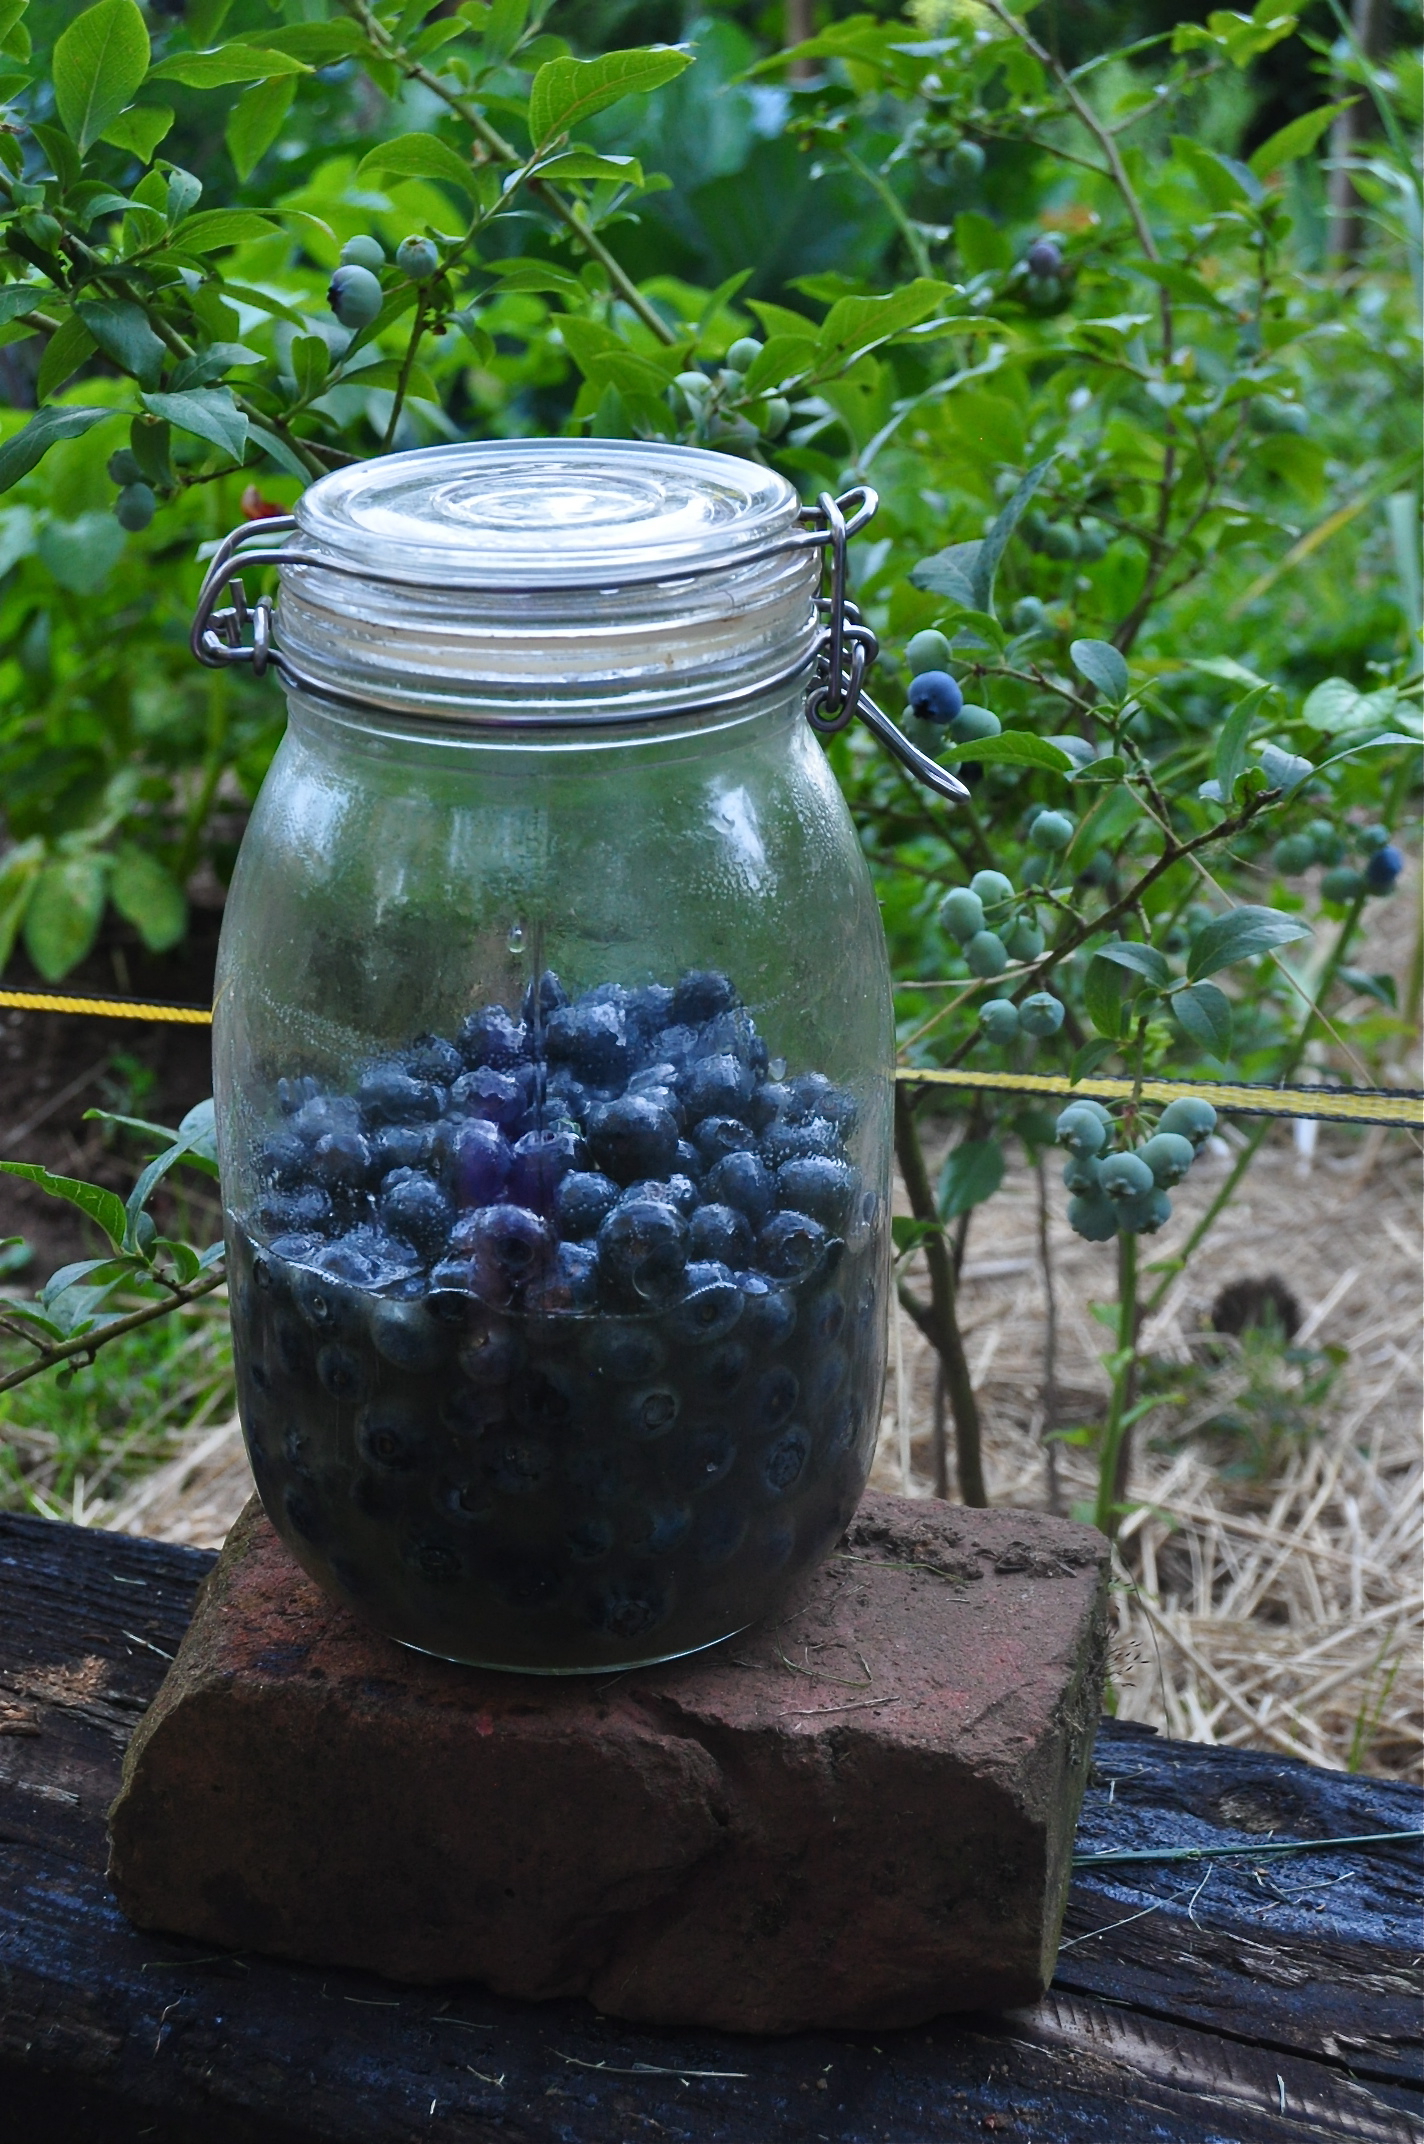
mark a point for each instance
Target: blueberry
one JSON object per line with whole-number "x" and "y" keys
{"x": 1296, "y": 853}
{"x": 325, "y": 1300}
{"x": 961, "y": 914}
{"x": 633, "y": 1138}
{"x": 342, "y": 1372}
{"x": 1169, "y": 1156}
{"x": 1144, "y": 1215}
{"x": 791, "y": 1245}
{"x": 406, "y": 1335}
{"x": 516, "y": 1465}
{"x": 690, "y": 1164}
{"x": 597, "y": 1473}
{"x": 816, "y": 1185}
{"x": 1080, "y": 1174}
{"x": 401, "y": 1146}
{"x": 711, "y": 1306}
{"x": 992, "y": 888}
{"x": 642, "y": 1251}
{"x": 1194, "y": 1118}
{"x": 986, "y": 955}
{"x": 523, "y": 1578}
{"x": 676, "y": 1042}
{"x": 282, "y": 1162}
{"x": 935, "y": 696}
{"x": 388, "y": 1094}
{"x": 1384, "y": 868}
{"x": 827, "y": 1375}
{"x": 507, "y": 1246}
{"x": 1051, "y": 830}
{"x": 486, "y": 1093}
{"x": 355, "y": 296}
{"x": 1023, "y": 939}
{"x": 431, "y": 1057}
{"x": 452, "y": 1290}
{"x": 716, "y": 1086}
{"x": 1124, "y": 1176}
{"x": 1081, "y": 1129}
{"x": 1371, "y": 839}
{"x": 475, "y": 1159}
{"x": 394, "y": 1435}
{"x": 721, "y": 1371}
{"x": 583, "y": 1202}
{"x": 716, "y": 1137}
{"x": 660, "y": 1528}
{"x": 723, "y": 1232}
{"x": 812, "y": 1096}
{"x": 305, "y": 1516}
{"x": 649, "y": 1412}
{"x": 704, "y": 1456}
{"x": 490, "y": 1352}
{"x": 294, "y": 1094}
{"x": 540, "y": 1162}
{"x": 418, "y": 259}
{"x": 588, "y": 1540}
{"x": 341, "y": 1160}
{"x": 593, "y": 1040}
{"x": 773, "y": 1397}
{"x": 285, "y": 1213}
{"x": 999, "y": 1018}
{"x": 413, "y": 1206}
{"x": 700, "y": 995}
{"x": 630, "y": 1608}
{"x": 928, "y": 650}
{"x": 492, "y": 1037}
{"x": 571, "y": 1284}
{"x": 680, "y": 1191}
{"x": 1343, "y": 883}
{"x": 649, "y": 1009}
{"x": 768, "y": 1314}
{"x": 463, "y": 1500}
{"x": 720, "y": 1533}
{"x": 543, "y": 998}
{"x": 630, "y": 1352}
{"x": 973, "y": 724}
{"x": 363, "y": 252}
{"x": 784, "y": 1462}
{"x": 1044, "y": 258}
{"x": 825, "y": 1316}
{"x": 1041, "y": 1013}
{"x": 544, "y": 1396}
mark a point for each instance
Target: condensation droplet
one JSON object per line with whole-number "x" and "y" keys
{"x": 516, "y": 938}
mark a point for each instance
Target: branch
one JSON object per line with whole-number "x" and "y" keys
{"x": 90, "y": 1343}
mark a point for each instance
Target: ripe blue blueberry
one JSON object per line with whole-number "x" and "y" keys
{"x": 791, "y": 1245}
{"x": 715, "y": 1086}
{"x": 630, "y": 1352}
{"x": 507, "y": 1246}
{"x": 490, "y": 1352}
{"x": 784, "y": 1461}
{"x": 633, "y": 1138}
{"x": 1384, "y": 868}
{"x": 494, "y": 1037}
{"x": 642, "y": 1252}
{"x": 1044, "y": 258}
{"x": 820, "y": 1186}
{"x": 413, "y": 1206}
{"x": 700, "y": 995}
{"x": 711, "y": 1307}
{"x": 583, "y": 1202}
{"x": 744, "y": 1181}
{"x": 935, "y": 696}
{"x": 592, "y": 1039}
{"x": 355, "y": 296}
{"x": 475, "y": 1159}
{"x": 539, "y": 1164}
{"x": 768, "y": 1313}
{"x": 722, "y": 1232}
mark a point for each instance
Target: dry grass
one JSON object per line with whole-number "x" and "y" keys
{"x": 1281, "y": 1612}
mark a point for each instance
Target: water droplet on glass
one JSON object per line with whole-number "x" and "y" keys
{"x": 516, "y": 938}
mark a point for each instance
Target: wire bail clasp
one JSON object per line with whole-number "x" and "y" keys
{"x": 217, "y": 638}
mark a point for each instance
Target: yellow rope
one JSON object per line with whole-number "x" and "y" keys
{"x": 1344, "y": 1105}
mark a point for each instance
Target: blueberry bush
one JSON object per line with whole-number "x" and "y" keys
{"x": 1137, "y": 396}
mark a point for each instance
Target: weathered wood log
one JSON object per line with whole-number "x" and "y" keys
{"x": 1276, "y": 2000}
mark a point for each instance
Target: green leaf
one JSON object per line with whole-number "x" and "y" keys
{"x": 1289, "y": 143}
{"x": 317, "y": 43}
{"x": 229, "y": 63}
{"x": 1341, "y": 709}
{"x": 255, "y": 120}
{"x": 222, "y": 227}
{"x": 1230, "y": 758}
{"x": 1102, "y": 665}
{"x": 19, "y": 868}
{"x": 1086, "y": 1061}
{"x": 122, "y": 332}
{"x": 99, "y": 63}
{"x": 1283, "y": 770}
{"x": 1143, "y": 960}
{"x": 19, "y": 298}
{"x": 981, "y": 245}
{"x": 1204, "y": 1013}
{"x": 1017, "y": 748}
{"x": 419, "y": 156}
{"x": 907, "y": 1234}
{"x": 587, "y": 164}
{"x": 951, "y": 573}
{"x": 973, "y": 1173}
{"x": 783, "y": 359}
{"x": 311, "y": 361}
{"x": 139, "y": 130}
{"x": 992, "y": 548}
{"x": 62, "y": 919}
{"x": 208, "y": 412}
{"x": 1115, "y": 811}
{"x": 855, "y": 325}
{"x": 1225, "y": 183}
{"x": 565, "y": 92}
{"x": 148, "y": 897}
{"x": 1103, "y": 997}
{"x": 105, "y": 1207}
{"x": 81, "y": 554}
{"x": 68, "y": 348}
{"x": 1240, "y": 935}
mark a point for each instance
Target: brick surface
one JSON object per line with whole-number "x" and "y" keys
{"x": 860, "y": 1813}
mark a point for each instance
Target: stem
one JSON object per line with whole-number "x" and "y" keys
{"x": 919, "y": 251}
{"x": 218, "y": 699}
{"x": 941, "y": 1442}
{"x": 90, "y": 1343}
{"x": 407, "y": 367}
{"x": 939, "y": 1322}
{"x": 1113, "y": 1458}
{"x": 1048, "y": 1390}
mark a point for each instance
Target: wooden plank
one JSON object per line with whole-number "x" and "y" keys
{"x": 1170, "y": 2027}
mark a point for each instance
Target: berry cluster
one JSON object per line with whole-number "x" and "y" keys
{"x": 1320, "y": 843}
{"x": 1123, "y": 1191}
{"x": 476, "y": 1295}
{"x": 935, "y": 696}
{"x": 1083, "y": 540}
{"x": 704, "y": 399}
{"x": 991, "y": 929}
{"x": 355, "y": 294}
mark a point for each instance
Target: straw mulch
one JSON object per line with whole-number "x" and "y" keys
{"x": 1281, "y": 1612}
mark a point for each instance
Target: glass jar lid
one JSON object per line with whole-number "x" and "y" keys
{"x": 536, "y": 581}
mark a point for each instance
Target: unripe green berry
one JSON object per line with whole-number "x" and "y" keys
{"x": 1024, "y": 939}
{"x": 743, "y": 354}
{"x": 418, "y": 258}
{"x": 1093, "y": 1217}
{"x": 135, "y": 506}
{"x": 1080, "y": 1174}
{"x": 1145, "y": 1214}
{"x": 693, "y": 384}
{"x": 1027, "y": 615}
{"x": 1169, "y": 1156}
{"x": 1081, "y": 1129}
{"x": 961, "y": 913}
{"x": 124, "y": 468}
{"x": 1294, "y": 855}
{"x": 1051, "y": 830}
{"x": 972, "y": 724}
{"x": 1041, "y": 1014}
{"x": 1060, "y": 540}
{"x": 1371, "y": 838}
{"x": 985, "y": 954}
{"x": 355, "y": 297}
{"x": 999, "y": 1019}
{"x": 1328, "y": 846}
{"x": 992, "y": 888}
{"x": 1124, "y": 1176}
{"x": 1343, "y": 884}
{"x": 967, "y": 161}
{"x": 774, "y": 416}
{"x": 1194, "y": 1118}
{"x": 1092, "y": 543}
{"x": 364, "y": 252}
{"x": 928, "y": 650}
{"x": 1100, "y": 1109}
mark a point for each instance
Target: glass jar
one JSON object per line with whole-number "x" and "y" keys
{"x": 553, "y": 1059}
